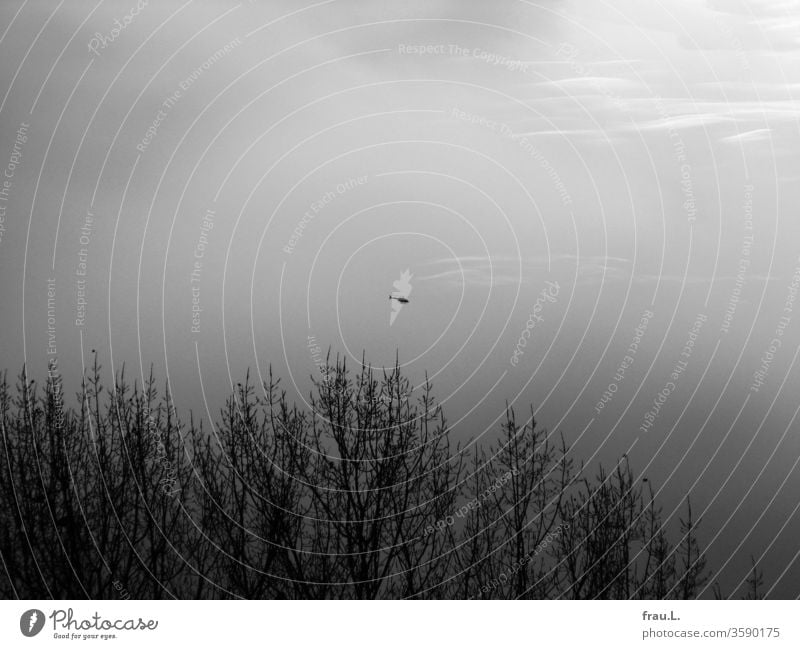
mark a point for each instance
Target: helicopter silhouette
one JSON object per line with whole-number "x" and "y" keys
{"x": 399, "y": 297}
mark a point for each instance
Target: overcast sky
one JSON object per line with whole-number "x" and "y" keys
{"x": 600, "y": 166}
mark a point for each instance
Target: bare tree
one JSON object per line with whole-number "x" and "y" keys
{"x": 360, "y": 495}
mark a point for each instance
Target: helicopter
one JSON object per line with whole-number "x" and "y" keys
{"x": 399, "y": 298}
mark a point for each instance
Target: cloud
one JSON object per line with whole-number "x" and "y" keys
{"x": 741, "y": 120}
{"x": 681, "y": 122}
{"x": 749, "y": 25}
{"x": 584, "y": 83}
{"x": 755, "y": 91}
{"x": 754, "y": 8}
{"x": 758, "y": 135}
{"x": 473, "y": 259}
{"x": 474, "y": 277}
{"x": 704, "y": 280}
{"x": 566, "y": 132}
{"x": 761, "y": 110}
{"x": 477, "y": 270}
{"x": 506, "y": 271}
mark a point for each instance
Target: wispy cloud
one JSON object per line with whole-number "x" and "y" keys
{"x": 586, "y": 83}
{"x": 704, "y": 280}
{"x": 508, "y": 271}
{"x": 474, "y": 277}
{"x": 476, "y": 270}
{"x": 681, "y": 122}
{"x": 758, "y": 135}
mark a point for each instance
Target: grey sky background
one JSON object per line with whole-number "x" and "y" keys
{"x": 632, "y": 152}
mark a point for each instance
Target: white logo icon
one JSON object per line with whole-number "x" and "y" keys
{"x": 31, "y": 622}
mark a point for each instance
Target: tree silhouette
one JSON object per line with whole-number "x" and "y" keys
{"x": 361, "y": 494}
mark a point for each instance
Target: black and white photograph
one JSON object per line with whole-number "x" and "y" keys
{"x": 484, "y": 309}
